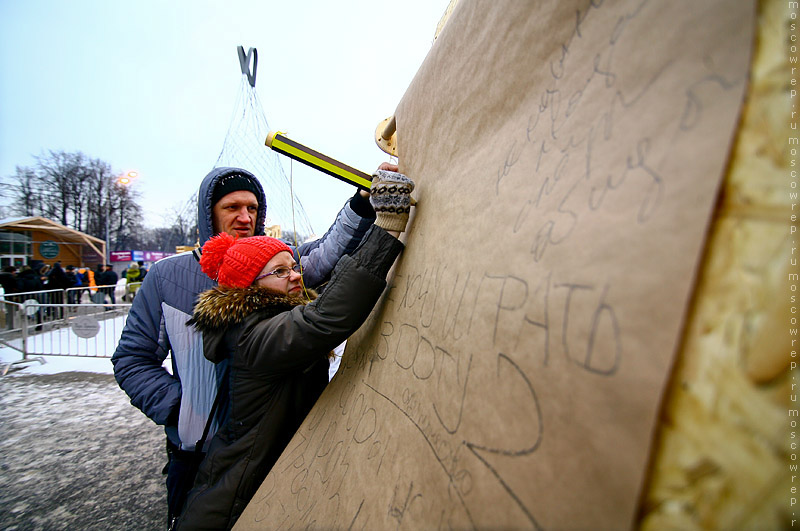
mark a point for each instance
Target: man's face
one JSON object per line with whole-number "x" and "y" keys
{"x": 236, "y": 214}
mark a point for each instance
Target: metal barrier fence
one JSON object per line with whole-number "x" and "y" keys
{"x": 74, "y": 322}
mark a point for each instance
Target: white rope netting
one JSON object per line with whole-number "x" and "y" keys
{"x": 244, "y": 148}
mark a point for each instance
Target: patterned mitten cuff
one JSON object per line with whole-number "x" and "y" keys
{"x": 390, "y": 196}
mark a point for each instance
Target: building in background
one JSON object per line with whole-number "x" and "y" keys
{"x": 25, "y": 240}
{"x": 124, "y": 258}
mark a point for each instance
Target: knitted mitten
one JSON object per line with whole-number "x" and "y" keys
{"x": 390, "y": 196}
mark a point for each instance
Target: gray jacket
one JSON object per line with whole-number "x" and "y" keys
{"x": 181, "y": 399}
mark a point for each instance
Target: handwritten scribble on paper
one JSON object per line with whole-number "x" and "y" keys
{"x": 567, "y": 156}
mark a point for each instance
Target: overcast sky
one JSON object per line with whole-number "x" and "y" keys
{"x": 151, "y": 86}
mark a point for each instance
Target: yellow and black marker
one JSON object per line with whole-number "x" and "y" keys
{"x": 278, "y": 142}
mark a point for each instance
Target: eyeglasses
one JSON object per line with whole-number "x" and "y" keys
{"x": 282, "y": 272}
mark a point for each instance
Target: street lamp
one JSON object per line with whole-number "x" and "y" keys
{"x": 123, "y": 180}
{"x": 127, "y": 178}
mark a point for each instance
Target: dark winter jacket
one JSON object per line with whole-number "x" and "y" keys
{"x": 276, "y": 350}
{"x": 28, "y": 280}
{"x": 57, "y": 278}
{"x": 9, "y": 282}
{"x": 107, "y": 278}
{"x": 73, "y": 280}
{"x": 156, "y": 324}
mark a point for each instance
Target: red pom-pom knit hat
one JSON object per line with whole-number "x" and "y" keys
{"x": 236, "y": 262}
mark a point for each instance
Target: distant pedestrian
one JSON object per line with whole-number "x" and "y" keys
{"x": 109, "y": 279}
{"x": 99, "y": 296}
{"x": 30, "y": 282}
{"x": 142, "y": 270}
{"x": 8, "y": 279}
{"x": 87, "y": 281}
{"x": 133, "y": 281}
{"x": 74, "y": 281}
{"x": 56, "y": 280}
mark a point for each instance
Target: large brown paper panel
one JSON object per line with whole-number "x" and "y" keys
{"x": 567, "y": 156}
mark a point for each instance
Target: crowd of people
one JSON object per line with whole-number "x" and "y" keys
{"x": 58, "y": 285}
{"x": 43, "y": 277}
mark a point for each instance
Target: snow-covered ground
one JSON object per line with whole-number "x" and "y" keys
{"x": 55, "y": 364}
{"x": 74, "y": 454}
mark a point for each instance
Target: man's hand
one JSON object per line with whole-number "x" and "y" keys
{"x": 384, "y": 166}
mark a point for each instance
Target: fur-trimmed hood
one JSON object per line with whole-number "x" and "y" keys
{"x": 222, "y": 307}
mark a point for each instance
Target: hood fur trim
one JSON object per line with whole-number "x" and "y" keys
{"x": 222, "y": 307}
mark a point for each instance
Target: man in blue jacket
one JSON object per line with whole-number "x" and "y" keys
{"x": 229, "y": 200}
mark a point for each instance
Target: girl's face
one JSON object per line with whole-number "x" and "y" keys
{"x": 272, "y": 276}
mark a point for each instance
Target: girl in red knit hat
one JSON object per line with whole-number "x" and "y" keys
{"x": 272, "y": 343}
{"x": 259, "y": 261}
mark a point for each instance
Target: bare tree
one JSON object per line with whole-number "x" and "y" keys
{"x": 78, "y": 192}
{"x": 184, "y": 221}
{"x": 84, "y": 193}
{"x": 27, "y": 197}
{"x": 55, "y": 173}
{"x": 179, "y": 228}
{"x": 125, "y": 216}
